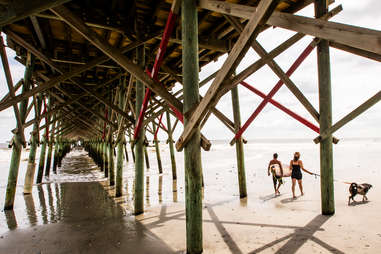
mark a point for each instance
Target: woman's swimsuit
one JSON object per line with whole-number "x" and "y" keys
{"x": 296, "y": 172}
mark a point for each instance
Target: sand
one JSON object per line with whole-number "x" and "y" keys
{"x": 75, "y": 212}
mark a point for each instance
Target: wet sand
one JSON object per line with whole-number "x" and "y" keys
{"x": 84, "y": 218}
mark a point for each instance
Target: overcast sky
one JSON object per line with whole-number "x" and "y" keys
{"x": 354, "y": 80}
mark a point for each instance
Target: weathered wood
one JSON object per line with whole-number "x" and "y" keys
{"x": 346, "y": 119}
{"x": 16, "y": 87}
{"x": 8, "y": 77}
{"x": 171, "y": 147}
{"x": 115, "y": 54}
{"x": 263, "y": 12}
{"x": 359, "y": 52}
{"x": 41, "y": 163}
{"x": 325, "y": 108}
{"x": 278, "y": 71}
{"x": 54, "y": 81}
{"x": 192, "y": 151}
{"x": 31, "y": 168}
{"x": 356, "y": 37}
{"x": 17, "y": 145}
{"x": 139, "y": 149}
{"x": 157, "y": 149}
{"x": 239, "y": 145}
{"x": 120, "y": 142}
{"x": 50, "y": 148}
{"x": 19, "y": 9}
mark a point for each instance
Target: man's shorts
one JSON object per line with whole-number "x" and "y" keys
{"x": 277, "y": 179}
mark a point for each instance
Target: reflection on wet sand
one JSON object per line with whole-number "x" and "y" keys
{"x": 41, "y": 197}
{"x": 30, "y": 209}
{"x": 174, "y": 190}
{"x": 160, "y": 189}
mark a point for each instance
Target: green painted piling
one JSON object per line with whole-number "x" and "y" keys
{"x": 41, "y": 163}
{"x": 50, "y": 148}
{"x": 119, "y": 156}
{"x": 325, "y": 107}
{"x": 17, "y": 146}
{"x": 105, "y": 158}
{"x": 239, "y": 144}
{"x": 171, "y": 147}
{"x": 157, "y": 149}
{"x": 192, "y": 152}
{"x": 29, "y": 175}
{"x": 111, "y": 166}
{"x": 146, "y": 156}
{"x": 139, "y": 145}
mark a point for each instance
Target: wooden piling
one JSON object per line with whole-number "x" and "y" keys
{"x": 111, "y": 166}
{"x": 139, "y": 143}
{"x": 17, "y": 142}
{"x": 41, "y": 163}
{"x": 50, "y": 148}
{"x": 239, "y": 144}
{"x": 146, "y": 156}
{"x": 121, "y": 142}
{"x": 105, "y": 158}
{"x": 325, "y": 106}
{"x": 171, "y": 147}
{"x": 31, "y": 168}
{"x": 157, "y": 149}
{"x": 192, "y": 152}
{"x": 55, "y": 156}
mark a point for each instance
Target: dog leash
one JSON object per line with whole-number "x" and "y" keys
{"x": 335, "y": 180}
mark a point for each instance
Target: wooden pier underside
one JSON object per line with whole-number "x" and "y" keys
{"x": 91, "y": 60}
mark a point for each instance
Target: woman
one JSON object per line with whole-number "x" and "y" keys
{"x": 296, "y": 166}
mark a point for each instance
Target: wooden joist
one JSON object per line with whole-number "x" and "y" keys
{"x": 16, "y": 10}
{"x": 353, "y": 36}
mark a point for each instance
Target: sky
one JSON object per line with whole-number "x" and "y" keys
{"x": 354, "y": 79}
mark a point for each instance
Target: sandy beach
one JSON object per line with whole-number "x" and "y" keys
{"x": 74, "y": 212}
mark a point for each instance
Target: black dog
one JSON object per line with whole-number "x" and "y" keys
{"x": 361, "y": 189}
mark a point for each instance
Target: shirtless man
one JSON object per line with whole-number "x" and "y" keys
{"x": 276, "y": 178}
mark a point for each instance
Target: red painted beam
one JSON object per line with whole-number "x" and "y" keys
{"x": 276, "y": 88}
{"x": 283, "y": 108}
{"x": 158, "y": 127}
{"x": 173, "y": 13}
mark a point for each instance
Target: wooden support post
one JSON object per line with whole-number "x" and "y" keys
{"x": 139, "y": 146}
{"x": 171, "y": 147}
{"x": 111, "y": 166}
{"x": 325, "y": 106}
{"x": 121, "y": 142}
{"x": 17, "y": 142}
{"x": 45, "y": 140}
{"x": 29, "y": 175}
{"x": 192, "y": 152}
{"x": 132, "y": 147}
{"x": 50, "y": 147}
{"x": 146, "y": 156}
{"x": 239, "y": 145}
{"x": 125, "y": 149}
{"x": 55, "y": 156}
{"x": 105, "y": 158}
{"x": 157, "y": 149}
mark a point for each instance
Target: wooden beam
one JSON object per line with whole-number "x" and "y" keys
{"x": 19, "y": 9}
{"x": 353, "y": 36}
{"x": 352, "y": 115}
{"x": 11, "y": 89}
{"x": 54, "y": 81}
{"x": 355, "y": 51}
{"x": 115, "y": 54}
{"x": 257, "y": 19}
